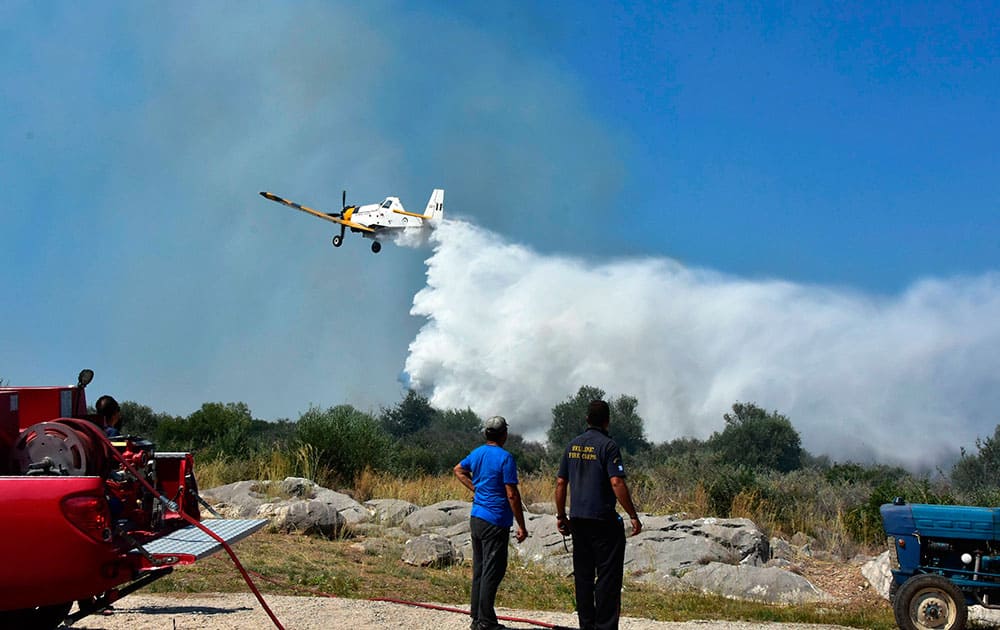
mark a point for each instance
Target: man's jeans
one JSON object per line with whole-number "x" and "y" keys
{"x": 489, "y": 564}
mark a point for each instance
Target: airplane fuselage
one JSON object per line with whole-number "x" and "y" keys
{"x": 381, "y": 215}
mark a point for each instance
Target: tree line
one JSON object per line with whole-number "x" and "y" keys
{"x": 754, "y": 464}
{"x": 414, "y": 437}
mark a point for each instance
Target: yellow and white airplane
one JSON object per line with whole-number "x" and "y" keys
{"x": 375, "y": 220}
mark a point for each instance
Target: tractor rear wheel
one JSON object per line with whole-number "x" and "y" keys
{"x": 930, "y": 602}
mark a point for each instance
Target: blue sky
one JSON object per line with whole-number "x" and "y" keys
{"x": 842, "y": 147}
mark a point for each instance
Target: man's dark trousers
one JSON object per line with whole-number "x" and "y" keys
{"x": 598, "y": 547}
{"x": 489, "y": 565}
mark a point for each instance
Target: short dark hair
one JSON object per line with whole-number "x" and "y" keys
{"x": 494, "y": 434}
{"x": 106, "y": 407}
{"x": 598, "y": 413}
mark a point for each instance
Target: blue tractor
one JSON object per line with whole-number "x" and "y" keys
{"x": 944, "y": 558}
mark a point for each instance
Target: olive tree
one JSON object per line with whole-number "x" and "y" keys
{"x": 412, "y": 414}
{"x": 626, "y": 424}
{"x": 980, "y": 472}
{"x": 569, "y": 419}
{"x": 758, "y": 440}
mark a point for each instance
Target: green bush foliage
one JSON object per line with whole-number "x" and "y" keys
{"x": 758, "y": 440}
{"x": 979, "y": 475}
{"x": 427, "y": 440}
{"x": 864, "y": 522}
{"x": 755, "y": 467}
{"x": 215, "y": 429}
{"x": 725, "y": 484}
{"x": 345, "y": 441}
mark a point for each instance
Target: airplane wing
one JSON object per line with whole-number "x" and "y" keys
{"x": 410, "y": 214}
{"x": 316, "y": 213}
{"x": 351, "y": 224}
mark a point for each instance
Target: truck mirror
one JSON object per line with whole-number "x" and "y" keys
{"x": 85, "y": 377}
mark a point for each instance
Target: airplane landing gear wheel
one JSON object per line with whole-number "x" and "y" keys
{"x": 930, "y": 602}
{"x": 376, "y": 247}
{"x": 338, "y": 240}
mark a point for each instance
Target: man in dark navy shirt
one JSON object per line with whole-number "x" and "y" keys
{"x": 592, "y": 468}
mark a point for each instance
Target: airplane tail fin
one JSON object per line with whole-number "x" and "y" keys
{"x": 435, "y": 206}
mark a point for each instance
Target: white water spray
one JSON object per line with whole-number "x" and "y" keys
{"x": 907, "y": 379}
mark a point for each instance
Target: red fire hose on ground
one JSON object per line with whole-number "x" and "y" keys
{"x": 95, "y": 433}
{"x": 391, "y": 600}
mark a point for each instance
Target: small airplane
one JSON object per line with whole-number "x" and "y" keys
{"x": 375, "y": 220}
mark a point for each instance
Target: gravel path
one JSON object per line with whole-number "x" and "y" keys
{"x": 241, "y": 611}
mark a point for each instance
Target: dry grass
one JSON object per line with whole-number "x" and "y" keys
{"x": 430, "y": 489}
{"x": 275, "y": 465}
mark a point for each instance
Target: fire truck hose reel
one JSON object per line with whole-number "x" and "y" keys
{"x": 52, "y": 448}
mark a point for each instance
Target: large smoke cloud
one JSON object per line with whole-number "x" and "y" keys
{"x": 906, "y": 379}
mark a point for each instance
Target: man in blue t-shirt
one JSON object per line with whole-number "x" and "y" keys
{"x": 490, "y": 472}
{"x": 592, "y": 468}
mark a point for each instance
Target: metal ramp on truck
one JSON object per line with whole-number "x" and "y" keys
{"x": 192, "y": 541}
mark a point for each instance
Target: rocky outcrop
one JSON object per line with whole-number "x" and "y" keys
{"x": 764, "y": 584}
{"x": 429, "y": 550}
{"x": 878, "y": 574}
{"x": 236, "y": 500}
{"x": 390, "y": 512}
{"x": 293, "y": 505}
{"x": 668, "y": 545}
{"x": 442, "y": 514}
{"x": 307, "y": 516}
{"x": 731, "y": 557}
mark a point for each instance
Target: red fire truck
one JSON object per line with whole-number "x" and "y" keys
{"x": 86, "y": 519}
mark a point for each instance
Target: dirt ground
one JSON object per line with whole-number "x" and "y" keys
{"x": 239, "y": 611}
{"x": 232, "y": 611}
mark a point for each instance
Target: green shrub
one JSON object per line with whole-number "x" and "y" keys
{"x": 344, "y": 441}
{"x": 864, "y": 522}
{"x": 728, "y": 482}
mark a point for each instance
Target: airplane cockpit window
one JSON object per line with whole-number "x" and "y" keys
{"x": 387, "y": 203}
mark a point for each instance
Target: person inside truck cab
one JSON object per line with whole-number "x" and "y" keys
{"x": 110, "y": 414}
